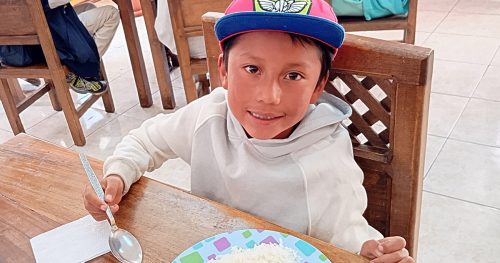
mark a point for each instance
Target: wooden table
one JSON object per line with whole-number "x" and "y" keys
{"x": 41, "y": 186}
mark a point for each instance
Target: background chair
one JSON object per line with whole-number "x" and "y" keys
{"x": 186, "y": 22}
{"x": 406, "y": 23}
{"x": 388, "y": 85}
{"x": 24, "y": 23}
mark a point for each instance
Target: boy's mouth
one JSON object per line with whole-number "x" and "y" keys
{"x": 264, "y": 116}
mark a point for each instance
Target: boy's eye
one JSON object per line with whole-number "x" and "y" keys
{"x": 252, "y": 69}
{"x": 293, "y": 76}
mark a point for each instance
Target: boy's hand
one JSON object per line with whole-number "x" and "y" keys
{"x": 386, "y": 250}
{"x": 113, "y": 189}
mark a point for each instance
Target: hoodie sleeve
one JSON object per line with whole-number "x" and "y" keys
{"x": 335, "y": 194}
{"x": 158, "y": 139}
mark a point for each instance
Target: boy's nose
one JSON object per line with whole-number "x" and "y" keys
{"x": 270, "y": 94}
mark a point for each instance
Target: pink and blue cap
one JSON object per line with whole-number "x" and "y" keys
{"x": 310, "y": 18}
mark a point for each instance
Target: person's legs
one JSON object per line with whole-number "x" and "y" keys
{"x": 101, "y": 22}
{"x": 80, "y": 8}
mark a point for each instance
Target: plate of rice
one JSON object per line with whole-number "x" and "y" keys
{"x": 252, "y": 246}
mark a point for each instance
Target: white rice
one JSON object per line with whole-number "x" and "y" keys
{"x": 263, "y": 253}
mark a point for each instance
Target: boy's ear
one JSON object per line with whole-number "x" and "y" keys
{"x": 319, "y": 89}
{"x": 222, "y": 71}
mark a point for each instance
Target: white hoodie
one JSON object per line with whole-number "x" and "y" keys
{"x": 308, "y": 182}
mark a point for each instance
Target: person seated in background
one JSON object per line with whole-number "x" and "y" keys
{"x": 370, "y": 9}
{"x": 81, "y": 36}
{"x": 163, "y": 28}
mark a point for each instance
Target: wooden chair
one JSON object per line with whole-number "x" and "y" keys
{"x": 186, "y": 22}
{"x": 406, "y": 23}
{"x": 25, "y": 24}
{"x": 388, "y": 85}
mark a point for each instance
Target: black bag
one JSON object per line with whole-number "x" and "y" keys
{"x": 20, "y": 56}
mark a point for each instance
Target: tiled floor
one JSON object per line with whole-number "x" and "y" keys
{"x": 460, "y": 220}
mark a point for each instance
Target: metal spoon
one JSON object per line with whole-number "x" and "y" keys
{"x": 124, "y": 246}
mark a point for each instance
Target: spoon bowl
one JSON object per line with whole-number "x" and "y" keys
{"x": 124, "y": 246}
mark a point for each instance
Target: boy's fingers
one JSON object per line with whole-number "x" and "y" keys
{"x": 114, "y": 208}
{"x": 113, "y": 190}
{"x": 370, "y": 249}
{"x": 91, "y": 198}
{"x": 392, "y": 244}
{"x": 397, "y": 256}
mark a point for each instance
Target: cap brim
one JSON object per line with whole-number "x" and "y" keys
{"x": 321, "y": 29}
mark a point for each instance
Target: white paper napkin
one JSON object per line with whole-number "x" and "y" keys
{"x": 78, "y": 241}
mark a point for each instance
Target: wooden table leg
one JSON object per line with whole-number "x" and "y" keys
{"x": 135, "y": 52}
{"x": 159, "y": 55}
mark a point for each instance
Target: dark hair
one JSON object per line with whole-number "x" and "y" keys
{"x": 326, "y": 51}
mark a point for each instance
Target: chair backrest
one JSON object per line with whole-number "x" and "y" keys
{"x": 24, "y": 23}
{"x": 186, "y": 22}
{"x": 187, "y": 14}
{"x": 388, "y": 85}
{"x": 407, "y": 23}
{"x": 12, "y": 25}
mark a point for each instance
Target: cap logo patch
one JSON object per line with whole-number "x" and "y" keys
{"x": 283, "y": 6}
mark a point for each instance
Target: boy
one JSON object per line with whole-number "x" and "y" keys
{"x": 259, "y": 144}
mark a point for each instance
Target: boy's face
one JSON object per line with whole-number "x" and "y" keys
{"x": 271, "y": 81}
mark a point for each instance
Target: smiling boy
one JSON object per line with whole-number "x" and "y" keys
{"x": 270, "y": 142}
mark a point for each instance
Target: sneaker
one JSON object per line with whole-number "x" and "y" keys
{"x": 86, "y": 85}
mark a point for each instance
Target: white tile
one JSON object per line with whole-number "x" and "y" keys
{"x": 55, "y": 129}
{"x": 474, "y": 179}
{"x": 421, "y": 37}
{"x": 433, "y": 5}
{"x": 5, "y": 135}
{"x": 457, "y": 231}
{"x": 145, "y": 113}
{"x": 37, "y": 112}
{"x": 491, "y": 7}
{"x": 427, "y": 21}
{"x": 456, "y": 78}
{"x": 469, "y": 49}
{"x": 489, "y": 87}
{"x": 479, "y": 123}
{"x": 471, "y": 24}
{"x": 102, "y": 143}
{"x": 432, "y": 149}
{"x": 117, "y": 63}
{"x": 444, "y": 111}
{"x": 496, "y": 59}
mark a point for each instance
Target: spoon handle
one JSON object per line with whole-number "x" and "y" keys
{"x": 96, "y": 185}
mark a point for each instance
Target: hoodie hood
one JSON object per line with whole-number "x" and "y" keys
{"x": 320, "y": 121}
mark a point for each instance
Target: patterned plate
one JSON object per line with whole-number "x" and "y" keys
{"x": 222, "y": 243}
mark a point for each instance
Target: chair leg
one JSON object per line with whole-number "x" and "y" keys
{"x": 53, "y": 97}
{"x": 188, "y": 82}
{"x": 68, "y": 107}
{"x": 409, "y": 36}
{"x": 16, "y": 90}
{"x": 107, "y": 99}
{"x": 205, "y": 84}
{"x": 10, "y": 108}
